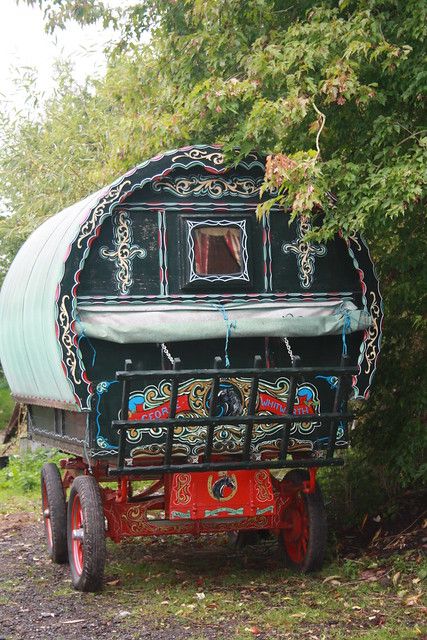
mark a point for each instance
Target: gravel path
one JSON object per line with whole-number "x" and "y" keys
{"x": 36, "y": 602}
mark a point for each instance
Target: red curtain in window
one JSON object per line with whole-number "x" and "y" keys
{"x": 217, "y": 250}
{"x": 232, "y": 238}
{"x": 201, "y": 251}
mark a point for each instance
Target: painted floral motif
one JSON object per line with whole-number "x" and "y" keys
{"x": 124, "y": 252}
{"x": 215, "y": 157}
{"x": 356, "y": 242}
{"x": 306, "y": 253}
{"x": 153, "y": 403}
{"x": 372, "y": 303}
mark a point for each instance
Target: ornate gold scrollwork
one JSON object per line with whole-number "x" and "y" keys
{"x": 215, "y": 187}
{"x": 124, "y": 252}
{"x": 371, "y": 351}
{"x": 216, "y": 157}
{"x": 182, "y": 486}
{"x": 90, "y": 224}
{"x": 306, "y": 252}
{"x": 67, "y": 340}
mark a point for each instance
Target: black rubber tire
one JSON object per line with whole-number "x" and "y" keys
{"x": 85, "y": 495}
{"x": 317, "y": 527}
{"x": 54, "y": 511}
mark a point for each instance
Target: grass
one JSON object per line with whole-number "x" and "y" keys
{"x": 201, "y": 583}
{"x": 13, "y": 502}
{"x": 21, "y": 477}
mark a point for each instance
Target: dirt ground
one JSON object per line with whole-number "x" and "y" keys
{"x": 176, "y": 589}
{"x": 36, "y": 601}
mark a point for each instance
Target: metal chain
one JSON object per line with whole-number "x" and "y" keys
{"x": 284, "y": 339}
{"x": 288, "y": 348}
{"x": 167, "y": 353}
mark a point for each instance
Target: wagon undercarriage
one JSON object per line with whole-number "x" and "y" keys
{"x": 293, "y": 513}
{"x": 211, "y": 493}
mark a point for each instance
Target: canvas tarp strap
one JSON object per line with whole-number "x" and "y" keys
{"x": 168, "y": 323}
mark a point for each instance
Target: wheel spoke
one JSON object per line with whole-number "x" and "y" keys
{"x": 77, "y": 536}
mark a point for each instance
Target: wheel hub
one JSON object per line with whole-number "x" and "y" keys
{"x": 78, "y": 534}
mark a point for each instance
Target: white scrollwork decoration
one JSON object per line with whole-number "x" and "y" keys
{"x": 306, "y": 253}
{"x": 371, "y": 350}
{"x": 356, "y": 241}
{"x": 67, "y": 340}
{"x": 89, "y": 226}
{"x": 124, "y": 252}
{"x": 216, "y": 157}
{"x": 243, "y": 275}
{"x": 216, "y": 187}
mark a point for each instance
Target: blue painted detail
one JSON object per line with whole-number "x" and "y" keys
{"x": 261, "y": 512}
{"x": 229, "y": 401}
{"x": 305, "y": 392}
{"x": 345, "y": 329}
{"x": 231, "y": 512}
{"x": 340, "y": 429}
{"x": 331, "y": 380}
{"x": 83, "y": 335}
{"x": 135, "y": 400}
{"x": 229, "y": 325}
{"x": 320, "y": 442}
{"x": 102, "y": 388}
{"x": 182, "y": 515}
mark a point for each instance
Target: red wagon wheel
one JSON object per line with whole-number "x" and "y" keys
{"x": 54, "y": 512}
{"x": 86, "y": 534}
{"x": 304, "y": 535}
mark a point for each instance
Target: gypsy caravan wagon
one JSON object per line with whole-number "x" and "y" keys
{"x": 157, "y": 332}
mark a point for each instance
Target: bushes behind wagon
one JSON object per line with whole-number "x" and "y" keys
{"x": 22, "y": 474}
{"x": 6, "y": 403}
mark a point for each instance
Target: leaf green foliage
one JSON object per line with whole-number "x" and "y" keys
{"x": 22, "y": 475}
{"x": 354, "y": 491}
{"x": 6, "y": 404}
{"x": 332, "y": 91}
